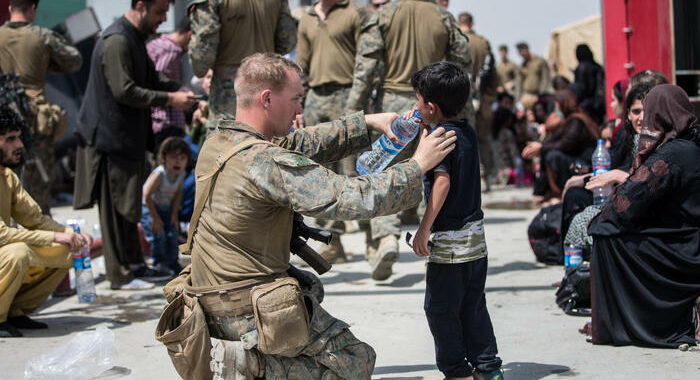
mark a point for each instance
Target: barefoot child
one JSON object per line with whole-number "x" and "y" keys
{"x": 161, "y": 203}
{"x": 455, "y": 303}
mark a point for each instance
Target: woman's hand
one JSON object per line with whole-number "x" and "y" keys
{"x": 575, "y": 181}
{"x": 531, "y": 150}
{"x": 611, "y": 178}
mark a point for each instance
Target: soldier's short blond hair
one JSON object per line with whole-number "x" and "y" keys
{"x": 261, "y": 71}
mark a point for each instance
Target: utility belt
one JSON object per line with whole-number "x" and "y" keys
{"x": 329, "y": 88}
{"x": 270, "y": 312}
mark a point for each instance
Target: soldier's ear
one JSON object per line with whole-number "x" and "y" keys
{"x": 265, "y": 96}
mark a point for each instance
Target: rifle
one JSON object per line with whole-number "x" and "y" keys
{"x": 14, "y": 96}
{"x": 299, "y": 247}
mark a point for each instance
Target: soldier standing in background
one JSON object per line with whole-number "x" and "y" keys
{"x": 506, "y": 70}
{"x": 533, "y": 74}
{"x": 405, "y": 36}
{"x": 31, "y": 51}
{"x": 226, "y": 31}
{"x": 327, "y": 42}
{"x": 485, "y": 83}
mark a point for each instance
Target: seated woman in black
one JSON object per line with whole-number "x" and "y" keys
{"x": 646, "y": 240}
{"x": 573, "y": 141}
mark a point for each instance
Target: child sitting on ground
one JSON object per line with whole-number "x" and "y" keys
{"x": 161, "y": 202}
{"x": 455, "y": 303}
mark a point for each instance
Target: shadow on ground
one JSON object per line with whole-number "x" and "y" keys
{"x": 514, "y": 266}
{"x": 394, "y": 369}
{"x": 535, "y": 371}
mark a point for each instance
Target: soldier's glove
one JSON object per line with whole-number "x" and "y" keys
{"x": 310, "y": 284}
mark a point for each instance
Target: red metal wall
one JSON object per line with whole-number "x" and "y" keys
{"x": 4, "y": 12}
{"x": 647, "y": 46}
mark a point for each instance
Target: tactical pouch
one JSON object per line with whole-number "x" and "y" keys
{"x": 51, "y": 120}
{"x": 280, "y": 315}
{"x": 183, "y": 329}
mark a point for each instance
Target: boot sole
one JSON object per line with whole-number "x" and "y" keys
{"x": 382, "y": 270}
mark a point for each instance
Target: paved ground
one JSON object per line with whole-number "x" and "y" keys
{"x": 536, "y": 340}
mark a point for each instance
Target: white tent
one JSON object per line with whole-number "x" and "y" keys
{"x": 561, "y": 49}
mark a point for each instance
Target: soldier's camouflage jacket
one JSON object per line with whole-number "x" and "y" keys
{"x": 375, "y": 51}
{"x": 245, "y": 227}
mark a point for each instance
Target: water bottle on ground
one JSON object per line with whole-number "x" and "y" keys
{"x": 519, "y": 172}
{"x": 384, "y": 150}
{"x": 84, "y": 282}
{"x": 573, "y": 256}
{"x": 601, "y": 164}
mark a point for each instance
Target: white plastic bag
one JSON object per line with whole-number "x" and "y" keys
{"x": 87, "y": 355}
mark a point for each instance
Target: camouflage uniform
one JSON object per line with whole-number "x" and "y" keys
{"x": 222, "y": 45}
{"x": 484, "y": 86}
{"x": 381, "y": 53}
{"x": 245, "y": 227}
{"x": 31, "y": 51}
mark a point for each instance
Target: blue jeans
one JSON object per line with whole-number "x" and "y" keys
{"x": 455, "y": 305}
{"x": 164, "y": 246}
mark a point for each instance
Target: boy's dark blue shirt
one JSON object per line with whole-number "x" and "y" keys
{"x": 463, "y": 202}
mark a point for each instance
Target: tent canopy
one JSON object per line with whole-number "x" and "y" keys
{"x": 561, "y": 49}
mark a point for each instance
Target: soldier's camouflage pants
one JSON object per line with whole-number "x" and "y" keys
{"x": 333, "y": 351}
{"x": 42, "y": 148}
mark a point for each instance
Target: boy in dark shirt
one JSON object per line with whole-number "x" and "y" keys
{"x": 455, "y": 303}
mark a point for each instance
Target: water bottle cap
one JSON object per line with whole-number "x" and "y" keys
{"x": 601, "y": 142}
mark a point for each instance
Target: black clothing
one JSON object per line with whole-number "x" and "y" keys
{"x": 455, "y": 306}
{"x": 115, "y": 116}
{"x": 463, "y": 202}
{"x": 589, "y": 80}
{"x": 646, "y": 252}
{"x": 621, "y": 150}
{"x": 575, "y": 200}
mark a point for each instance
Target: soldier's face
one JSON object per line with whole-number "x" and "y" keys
{"x": 285, "y": 104}
{"x": 153, "y": 15}
{"x": 11, "y": 149}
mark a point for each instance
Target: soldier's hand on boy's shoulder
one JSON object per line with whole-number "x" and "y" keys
{"x": 433, "y": 148}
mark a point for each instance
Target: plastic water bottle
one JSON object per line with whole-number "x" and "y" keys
{"x": 84, "y": 282}
{"x": 601, "y": 165}
{"x": 573, "y": 256}
{"x": 519, "y": 172}
{"x": 384, "y": 150}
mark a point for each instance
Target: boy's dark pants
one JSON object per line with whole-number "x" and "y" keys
{"x": 455, "y": 305}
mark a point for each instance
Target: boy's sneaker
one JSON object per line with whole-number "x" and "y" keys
{"x": 152, "y": 274}
{"x": 495, "y": 375}
{"x": 134, "y": 284}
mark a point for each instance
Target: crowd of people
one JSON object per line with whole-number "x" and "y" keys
{"x": 227, "y": 174}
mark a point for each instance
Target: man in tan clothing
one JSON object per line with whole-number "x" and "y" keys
{"x": 485, "y": 82}
{"x": 226, "y": 31}
{"x": 31, "y": 51}
{"x": 34, "y": 260}
{"x": 533, "y": 74}
{"x": 507, "y": 70}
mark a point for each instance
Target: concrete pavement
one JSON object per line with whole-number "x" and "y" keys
{"x": 535, "y": 338}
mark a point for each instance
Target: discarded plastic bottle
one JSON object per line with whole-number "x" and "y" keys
{"x": 84, "y": 281}
{"x": 384, "y": 150}
{"x": 601, "y": 165}
{"x": 573, "y": 256}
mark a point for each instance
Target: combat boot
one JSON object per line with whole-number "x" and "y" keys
{"x": 386, "y": 254}
{"x": 230, "y": 361}
{"x": 334, "y": 252}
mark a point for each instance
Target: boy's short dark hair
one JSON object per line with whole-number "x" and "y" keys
{"x": 504, "y": 95}
{"x": 444, "y": 84}
{"x": 176, "y": 145}
{"x": 9, "y": 120}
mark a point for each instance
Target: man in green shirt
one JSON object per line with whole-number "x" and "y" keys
{"x": 533, "y": 75}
